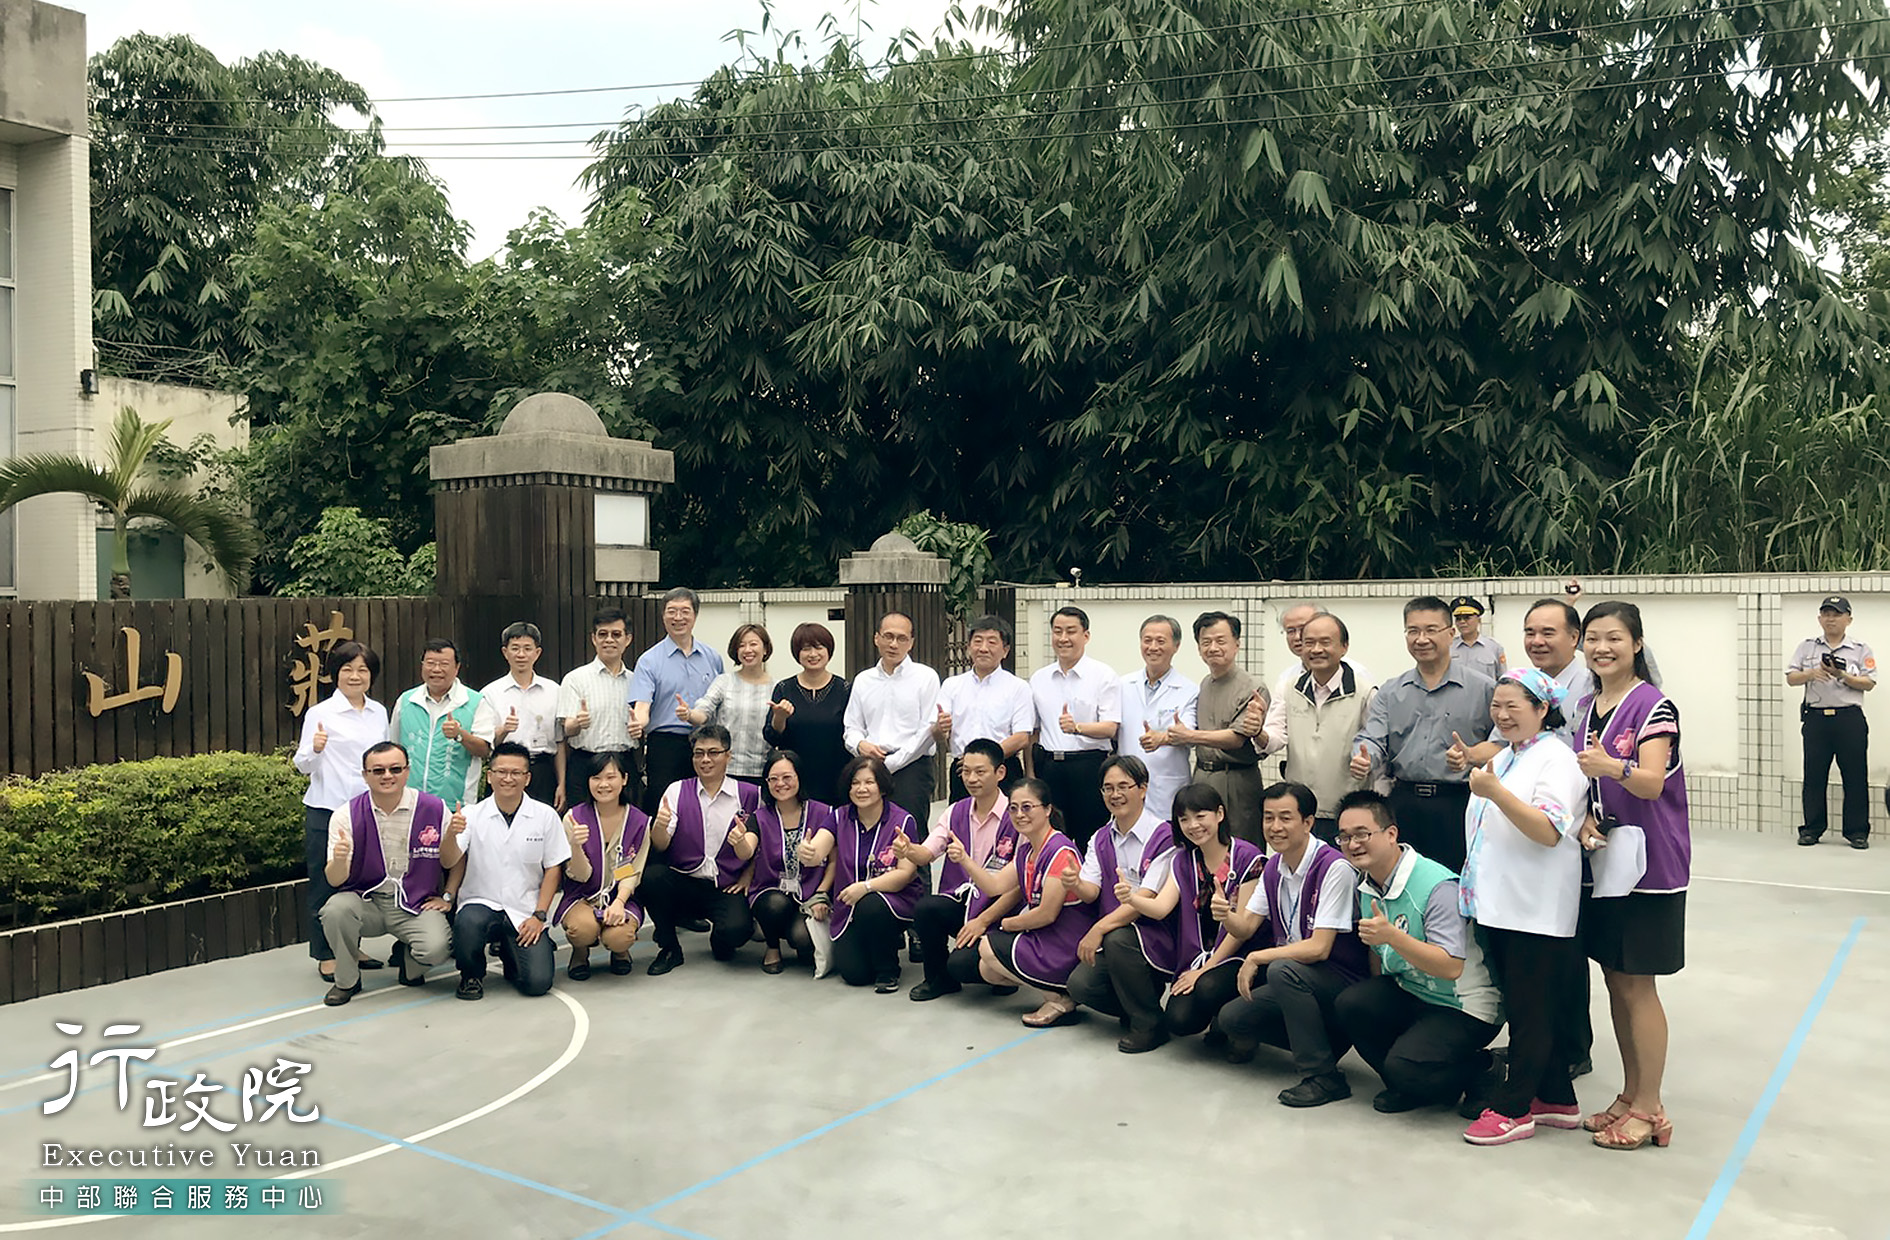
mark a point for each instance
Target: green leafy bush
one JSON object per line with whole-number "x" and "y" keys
{"x": 128, "y": 833}
{"x": 353, "y": 555}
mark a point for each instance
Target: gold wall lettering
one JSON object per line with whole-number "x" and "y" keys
{"x": 307, "y": 676}
{"x": 98, "y": 701}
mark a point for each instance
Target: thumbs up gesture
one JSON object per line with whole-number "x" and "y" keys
{"x": 578, "y": 832}
{"x": 1066, "y": 720}
{"x": 456, "y": 826}
{"x": 901, "y": 846}
{"x": 1151, "y": 739}
{"x": 1377, "y": 928}
{"x": 682, "y": 709}
{"x": 320, "y": 742}
{"x": 509, "y": 726}
{"x": 344, "y": 843}
{"x": 1457, "y": 756}
{"x": 737, "y": 828}
{"x": 581, "y": 720}
{"x": 1220, "y": 906}
{"x": 954, "y": 851}
{"x": 449, "y": 727}
{"x": 1071, "y": 877}
{"x": 1124, "y": 889}
{"x": 1483, "y": 782}
{"x": 784, "y": 709}
{"x": 1361, "y": 763}
{"x": 1254, "y": 716}
{"x": 942, "y": 726}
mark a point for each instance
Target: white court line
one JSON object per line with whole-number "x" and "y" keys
{"x": 1761, "y": 882}
{"x": 207, "y": 1034}
{"x": 580, "y": 1033}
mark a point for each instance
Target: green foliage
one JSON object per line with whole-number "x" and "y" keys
{"x": 130, "y": 487}
{"x": 82, "y": 839}
{"x": 965, "y": 546}
{"x": 348, "y": 554}
{"x": 186, "y": 154}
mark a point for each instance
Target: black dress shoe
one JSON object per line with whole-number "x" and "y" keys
{"x": 1807, "y": 838}
{"x": 914, "y": 952}
{"x": 926, "y": 991}
{"x": 1581, "y": 1068}
{"x": 695, "y": 925}
{"x": 620, "y": 965}
{"x": 666, "y": 960}
{"x": 1859, "y": 842}
{"x": 1316, "y": 1091}
{"x": 1391, "y": 1102}
{"x": 339, "y": 994}
{"x": 773, "y": 966}
{"x": 470, "y": 988}
{"x": 1140, "y": 1043}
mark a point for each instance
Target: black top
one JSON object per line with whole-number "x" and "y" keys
{"x": 815, "y": 731}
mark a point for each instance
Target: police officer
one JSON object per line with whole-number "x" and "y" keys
{"x": 1836, "y": 671}
{"x": 1470, "y": 648}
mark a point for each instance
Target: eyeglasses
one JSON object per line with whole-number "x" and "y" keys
{"x": 787, "y": 778}
{"x": 1025, "y": 807}
{"x": 385, "y": 770}
{"x": 1120, "y": 788}
{"x": 495, "y": 773}
{"x": 1435, "y": 630}
{"x": 707, "y": 753}
{"x": 1356, "y": 837}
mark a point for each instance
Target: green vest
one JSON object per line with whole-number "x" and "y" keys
{"x": 440, "y": 766}
{"x": 1405, "y": 900}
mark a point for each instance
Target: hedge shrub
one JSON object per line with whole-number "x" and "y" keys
{"x": 128, "y": 833}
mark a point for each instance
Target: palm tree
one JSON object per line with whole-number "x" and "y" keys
{"x": 129, "y": 491}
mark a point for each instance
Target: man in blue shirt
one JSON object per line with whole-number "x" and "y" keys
{"x": 676, "y": 668}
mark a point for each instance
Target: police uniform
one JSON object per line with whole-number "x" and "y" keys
{"x": 1834, "y": 727}
{"x": 1485, "y": 654}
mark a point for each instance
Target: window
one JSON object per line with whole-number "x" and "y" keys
{"x": 8, "y": 403}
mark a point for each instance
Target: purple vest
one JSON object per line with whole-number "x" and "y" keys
{"x": 860, "y": 855}
{"x": 425, "y": 879}
{"x": 636, "y": 825}
{"x": 1104, "y": 842}
{"x": 1664, "y": 819}
{"x": 771, "y": 852}
{"x": 686, "y": 845}
{"x": 1173, "y": 944}
{"x": 953, "y": 879}
{"x": 1348, "y": 953}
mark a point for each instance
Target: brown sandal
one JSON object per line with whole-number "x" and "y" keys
{"x": 1659, "y": 1131}
{"x": 1601, "y": 1121}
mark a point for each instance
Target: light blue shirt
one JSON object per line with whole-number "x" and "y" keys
{"x": 663, "y": 671}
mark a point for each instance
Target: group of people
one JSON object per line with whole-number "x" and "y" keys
{"x": 1439, "y": 856}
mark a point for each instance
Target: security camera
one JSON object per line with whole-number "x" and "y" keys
{"x": 1573, "y": 588}
{"x": 1076, "y": 577}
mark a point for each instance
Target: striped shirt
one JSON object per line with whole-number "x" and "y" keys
{"x": 608, "y": 697}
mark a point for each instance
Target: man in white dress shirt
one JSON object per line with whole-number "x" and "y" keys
{"x": 891, "y": 712}
{"x": 985, "y": 703}
{"x": 515, "y": 849}
{"x": 522, "y": 706}
{"x": 1079, "y": 714}
{"x": 1154, "y": 700}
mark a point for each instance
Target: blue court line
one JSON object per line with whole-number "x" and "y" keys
{"x": 143, "y": 1069}
{"x": 643, "y": 1216}
{"x": 1749, "y": 1135}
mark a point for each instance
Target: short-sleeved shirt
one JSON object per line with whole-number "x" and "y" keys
{"x": 395, "y": 830}
{"x": 506, "y": 862}
{"x": 1091, "y": 690}
{"x": 1485, "y": 655}
{"x": 991, "y": 708}
{"x": 741, "y": 706}
{"x": 1824, "y": 694}
{"x": 606, "y": 694}
{"x": 1169, "y": 701}
{"x": 664, "y": 671}
{"x": 718, "y": 815}
{"x": 1129, "y": 850}
{"x": 1337, "y": 909}
{"x": 1509, "y": 880}
{"x": 539, "y": 729}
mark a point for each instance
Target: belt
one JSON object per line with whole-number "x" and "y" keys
{"x": 1430, "y": 789}
{"x": 1832, "y": 710}
{"x": 1222, "y": 764}
{"x": 1070, "y": 755}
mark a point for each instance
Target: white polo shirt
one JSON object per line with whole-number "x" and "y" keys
{"x": 1337, "y": 897}
{"x": 506, "y": 863}
{"x": 1091, "y": 690}
{"x": 539, "y": 728}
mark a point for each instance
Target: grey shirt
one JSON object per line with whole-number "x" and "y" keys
{"x": 1408, "y": 727}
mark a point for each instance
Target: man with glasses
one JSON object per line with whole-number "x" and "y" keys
{"x": 701, "y": 841}
{"x": 594, "y": 706}
{"x": 891, "y": 715}
{"x": 1424, "y": 1021}
{"x": 385, "y": 866}
{"x": 676, "y": 670}
{"x": 1410, "y": 729}
{"x": 1325, "y": 708}
{"x": 515, "y": 849}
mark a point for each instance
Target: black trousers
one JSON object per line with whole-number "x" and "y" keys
{"x": 1294, "y": 1011}
{"x": 577, "y": 779}
{"x": 1433, "y": 823}
{"x": 665, "y": 761}
{"x": 779, "y": 916}
{"x": 1193, "y": 1012}
{"x": 1428, "y": 1053}
{"x": 935, "y": 919}
{"x": 544, "y": 782}
{"x": 1076, "y": 788}
{"x": 867, "y": 951}
{"x": 1844, "y": 734}
{"x": 1533, "y": 971}
{"x": 912, "y": 792}
{"x": 1122, "y": 983}
{"x": 315, "y": 850}
{"x": 530, "y": 968}
{"x": 672, "y": 898}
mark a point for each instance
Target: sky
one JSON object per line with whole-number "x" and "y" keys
{"x": 398, "y": 49}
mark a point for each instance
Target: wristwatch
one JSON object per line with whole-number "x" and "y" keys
{"x": 542, "y": 914}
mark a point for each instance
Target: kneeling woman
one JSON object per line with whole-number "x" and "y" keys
{"x": 791, "y": 881}
{"x": 873, "y": 889}
{"x": 1211, "y": 876}
{"x": 1037, "y": 947}
{"x": 610, "y": 842}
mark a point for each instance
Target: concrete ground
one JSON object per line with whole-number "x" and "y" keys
{"x": 723, "y": 1103}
